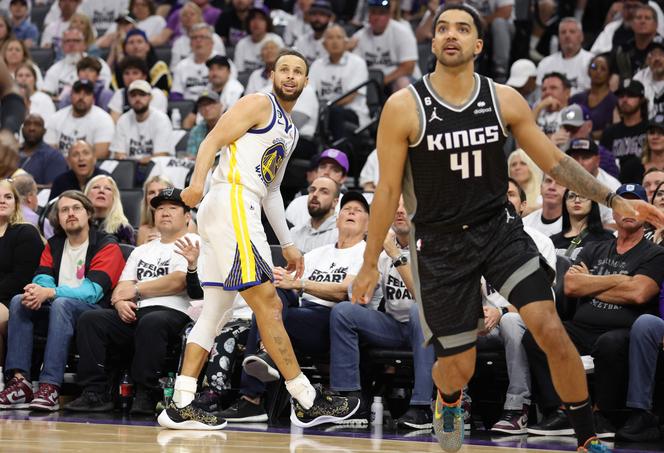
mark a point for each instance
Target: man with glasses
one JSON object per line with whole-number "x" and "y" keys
{"x": 77, "y": 271}
{"x": 190, "y": 76}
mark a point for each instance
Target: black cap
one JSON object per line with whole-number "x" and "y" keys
{"x": 632, "y": 191}
{"x": 656, "y": 43}
{"x": 657, "y": 122}
{"x": 378, "y": 4}
{"x": 83, "y": 85}
{"x": 353, "y": 195}
{"x": 582, "y": 145}
{"x": 169, "y": 194}
{"x": 220, "y": 60}
{"x": 25, "y": 2}
{"x": 630, "y": 87}
{"x": 322, "y": 6}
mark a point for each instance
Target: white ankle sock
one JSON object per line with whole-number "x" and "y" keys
{"x": 301, "y": 389}
{"x": 184, "y": 390}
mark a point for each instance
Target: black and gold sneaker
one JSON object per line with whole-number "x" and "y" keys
{"x": 189, "y": 417}
{"x": 327, "y": 408}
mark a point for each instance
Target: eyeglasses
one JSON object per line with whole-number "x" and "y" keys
{"x": 571, "y": 196}
{"x": 76, "y": 209}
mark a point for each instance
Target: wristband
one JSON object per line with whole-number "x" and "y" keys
{"x": 287, "y": 244}
{"x": 192, "y": 271}
{"x": 138, "y": 294}
{"x": 609, "y": 199}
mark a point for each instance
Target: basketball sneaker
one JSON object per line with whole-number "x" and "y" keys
{"x": 593, "y": 445}
{"x": 448, "y": 424}
{"x": 327, "y": 408}
{"x": 46, "y": 398}
{"x": 17, "y": 394}
{"x": 261, "y": 366}
{"x": 189, "y": 417}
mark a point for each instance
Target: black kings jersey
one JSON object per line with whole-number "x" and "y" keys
{"x": 456, "y": 172}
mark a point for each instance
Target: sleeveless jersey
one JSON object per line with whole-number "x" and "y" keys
{"x": 254, "y": 159}
{"x": 456, "y": 171}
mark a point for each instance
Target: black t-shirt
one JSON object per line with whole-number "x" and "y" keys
{"x": 626, "y": 144}
{"x": 20, "y": 248}
{"x": 562, "y": 243}
{"x": 68, "y": 181}
{"x": 601, "y": 258}
{"x": 230, "y": 27}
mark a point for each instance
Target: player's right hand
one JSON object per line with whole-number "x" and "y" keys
{"x": 364, "y": 284}
{"x": 192, "y": 196}
{"x": 295, "y": 261}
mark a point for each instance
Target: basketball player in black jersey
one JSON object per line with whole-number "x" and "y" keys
{"x": 440, "y": 141}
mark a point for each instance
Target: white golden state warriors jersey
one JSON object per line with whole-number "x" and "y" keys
{"x": 254, "y": 159}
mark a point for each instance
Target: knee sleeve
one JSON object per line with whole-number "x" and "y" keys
{"x": 217, "y": 311}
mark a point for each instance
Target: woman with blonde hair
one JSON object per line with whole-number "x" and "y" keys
{"x": 20, "y": 248}
{"x": 109, "y": 215}
{"x": 147, "y": 231}
{"x": 523, "y": 170}
{"x": 16, "y": 54}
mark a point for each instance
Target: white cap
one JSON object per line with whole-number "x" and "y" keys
{"x": 520, "y": 72}
{"x": 140, "y": 85}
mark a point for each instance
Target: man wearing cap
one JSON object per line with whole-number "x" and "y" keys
{"x": 248, "y": 49}
{"x": 22, "y": 28}
{"x": 134, "y": 68}
{"x": 627, "y": 138}
{"x": 136, "y": 44}
{"x": 320, "y": 16}
{"x": 210, "y": 109}
{"x": 615, "y": 281}
{"x": 331, "y": 163}
{"x": 388, "y": 45}
{"x": 190, "y": 76}
{"x": 82, "y": 120}
{"x": 523, "y": 78}
{"x": 220, "y": 81}
{"x": 149, "y": 312}
{"x": 572, "y": 60}
{"x": 89, "y": 68}
{"x": 652, "y": 77}
{"x": 142, "y": 133}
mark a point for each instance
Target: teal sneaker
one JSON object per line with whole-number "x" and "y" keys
{"x": 448, "y": 424}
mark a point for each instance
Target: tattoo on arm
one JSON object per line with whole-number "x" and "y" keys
{"x": 573, "y": 176}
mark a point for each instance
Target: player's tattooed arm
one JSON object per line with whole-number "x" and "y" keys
{"x": 570, "y": 174}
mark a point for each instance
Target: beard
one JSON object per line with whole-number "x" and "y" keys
{"x": 141, "y": 110}
{"x": 318, "y": 27}
{"x": 286, "y": 97}
{"x": 317, "y": 212}
{"x": 80, "y": 108}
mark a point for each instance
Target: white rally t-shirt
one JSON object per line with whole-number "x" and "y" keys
{"x": 63, "y": 129}
{"x": 385, "y": 52}
{"x": 151, "y": 25}
{"x": 247, "y": 55}
{"x": 155, "y": 259}
{"x": 72, "y": 265}
{"x": 140, "y": 139}
{"x": 63, "y": 73}
{"x": 310, "y": 47}
{"x": 102, "y": 13}
{"x": 398, "y": 299}
{"x": 190, "y": 78}
{"x": 181, "y": 49}
{"x": 575, "y": 69}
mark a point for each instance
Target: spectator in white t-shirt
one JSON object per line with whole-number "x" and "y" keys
{"x": 310, "y": 44}
{"x": 388, "y": 45}
{"x": 134, "y": 68}
{"x": 548, "y": 219}
{"x": 652, "y": 77}
{"x": 53, "y": 33}
{"x": 190, "y": 15}
{"x": 555, "y": 97}
{"x": 190, "y": 76}
{"x": 142, "y": 133}
{"x": 248, "y": 50}
{"x": 82, "y": 120}
{"x": 335, "y": 74}
{"x": 297, "y": 24}
{"x": 143, "y": 14}
{"x": 572, "y": 60}
{"x": 260, "y": 80}
{"x": 102, "y": 13}
{"x": 305, "y": 113}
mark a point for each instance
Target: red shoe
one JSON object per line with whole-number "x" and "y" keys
{"x": 46, "y": 398}
{"x": 16, "y": 395}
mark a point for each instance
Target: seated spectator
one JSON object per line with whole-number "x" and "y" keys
{"x": 37, "y": 101}
{"x": 20, "y": 247}
{"x": 83, "y": 22}
{"x": 329, "y": 272}
{"x": 191, "y": 15}
{"x": 548, "y": 218}
{"x": 42, "y": 161}
{"x": 653, "y": 149}
{"x": 652, "y": 178}
{"x": 617, "y": 33}
{"x": 528, "y": 176}
{"x": 108, "y": 215}
{"x": 248, "y": 49}
{"x": 22, "y": 28}
{"x": 310, "y": 44}
{"x": 143, "y": 132}
{"x": 321, "y": 228}
{"x": 9, "y": 157}
{"x": 626, "y": 138}
{"x": 78, "y": 269}
{"x": 389, "y": 46}
{"x": 134, "y": 68}
{"x": 396, "y": 328}
{"x": 136, "y": 44}
{"x": 615, "y": 281}
{"x": 210, "y": 109}
{"x": 174, "y": 27}
{"x": 260, "y": 79}
{"x": 572, "y": 60}
{"x": 555, "y": 97}
{"x": 82, "y": 162}
{"x": 148, "y": 231}
{"x": 336, "y": 73}
{"x": 582, "y": 224}
{"x": 297, "y": 24}
{"x": 88, "y": 68}
{"x": 55, "y": 27}
{"x": 26, "y": 188}
{"x": 232, "y": 23}
{"x": 630, "y": 57}
{"x": 190, "y": 76}
{"x": 331, "y": 163}
{"x": 149, "y": 313}
{"x": 523, "y": 78}
{"x": 652, "y": 78}
{"x": 645, "y": 345}
{"x": 82, "y": 120}
{"x": 144, "y": 15}
{"x": 16, "y": 53}
{"x": 102, "y": 13}
{"x": 598, "y": 99}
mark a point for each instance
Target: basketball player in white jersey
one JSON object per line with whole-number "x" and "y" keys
{"x": 257, "y": 136}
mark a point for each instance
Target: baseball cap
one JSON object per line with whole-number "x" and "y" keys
{"x": 337, "y": 156}
{"x": 262, "y": 9}
{"x": 520, "y": 72}
{"x": 134, "y": 32}
{"x": 582, "y": 145}
{"x": 322, "y": 6}
{"x": 656, "y": 123}
{"x": 379, "y": 4}
{"x": 218, "y": 59}
{"x": 656, "y": 43}
{"x": 83, "y": 85}
{"x": 207, "y": 94}
{"x": 125, "y": 17}
{"x": 25, "y": 2}
{"x": 353, "y": 195}
{"x": 169, "y": 194}
{"x": 574, "y": 115}
{"x": 630, "y": 87}
{"x": 140, "y": 85}
{"x": 636, "y": 190}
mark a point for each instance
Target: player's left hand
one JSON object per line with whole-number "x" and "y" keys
{"x": 639, "y": 210}
{"x": 295, "y": 261}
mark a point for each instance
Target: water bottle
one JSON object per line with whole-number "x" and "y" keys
{"x": 126, "y": 392}
{"x": 176, "y": 119}
{"x": 168, "y": 389}
{"x": 377, "y": 411}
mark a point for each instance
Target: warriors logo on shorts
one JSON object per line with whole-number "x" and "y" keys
{"x": 270, "y": 162}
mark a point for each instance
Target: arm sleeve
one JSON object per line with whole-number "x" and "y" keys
{"x": 88, "y": 292}
{"x": 194, "y": 289}
{"x": 273, "y": 205}
{"x": 24, "y": 260}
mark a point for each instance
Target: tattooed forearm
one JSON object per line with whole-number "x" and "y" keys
{"x": 573, "y": 176}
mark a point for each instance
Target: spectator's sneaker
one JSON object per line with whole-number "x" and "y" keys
{"x": 448, "y": 424}
{"x": 46, "y": 398}
{"x": 327, "y": 408}
{"x": 641, "y": 426}
{"x": 143, "y": 403}
{"x": 90, "y": 402}
{"x": 261, "y": 367}
{"x": 593, "y": 445}
{"x": 417, "y": 417}
{"x": 603, "y": 427}
{"x": 556, "y": 424}
{"x": 244, "y": 411}
{"x": 208, "y": 400}
{"x": 17, "y": 394}
{"x": 189, "y": 417}
{"x": 512, "y": 422}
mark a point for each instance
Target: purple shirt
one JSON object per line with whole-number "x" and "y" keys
{"x": 32, "y": 217}
{"x": 602, "y": 113}
{"x": 210, "y": 16}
